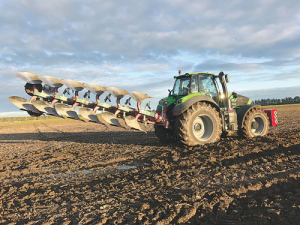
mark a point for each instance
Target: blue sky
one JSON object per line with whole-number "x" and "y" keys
{"x": 140, "y": 45}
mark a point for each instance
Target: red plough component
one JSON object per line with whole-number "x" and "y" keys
{"x": 272, "y": 115}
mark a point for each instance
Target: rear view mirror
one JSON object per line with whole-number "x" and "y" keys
{"x": 227, "y": 79}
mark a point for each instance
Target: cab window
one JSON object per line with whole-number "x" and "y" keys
{"x": 194, "y": 85}
{"x": 207, "y": 87}
{"x": 181, "y": 86}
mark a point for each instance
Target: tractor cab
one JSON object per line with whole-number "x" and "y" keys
{"x": 202, "y": 83}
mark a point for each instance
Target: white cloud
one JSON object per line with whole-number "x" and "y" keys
{"x": 13, "y": 114}
{"x": 131, "y": 43}
{"x": 113, "y": 69}
{"x": 152, "y": 67}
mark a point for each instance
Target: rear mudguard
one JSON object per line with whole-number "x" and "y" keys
{"x": 181, "y": 108}
{"x": 242, "y": 112}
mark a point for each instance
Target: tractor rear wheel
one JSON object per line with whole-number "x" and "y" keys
{"x": 165, "y": 135}
{"x": 256, "y": 124}
{"x": 199, "y": 125}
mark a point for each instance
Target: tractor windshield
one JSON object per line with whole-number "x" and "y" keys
{"x": 181, "y": 86}
{"x": 205, "y": 84}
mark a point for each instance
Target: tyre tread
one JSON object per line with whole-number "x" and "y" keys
{"x": 182, "y": 121}
{"x": 245, "y": 131}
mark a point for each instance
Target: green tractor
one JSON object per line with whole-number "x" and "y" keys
{"x": 197, "y": 111}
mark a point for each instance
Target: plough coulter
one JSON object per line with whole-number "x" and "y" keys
{"x": 196, "y": 111}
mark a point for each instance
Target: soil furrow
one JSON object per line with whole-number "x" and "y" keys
{"x": 82, "y": 173}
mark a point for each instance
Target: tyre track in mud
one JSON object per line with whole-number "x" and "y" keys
{"x": 55, "y": 158}
{"x": 44, "y": 155}
{"x": 234, "y": 181}
{"x": 31, "y": 168}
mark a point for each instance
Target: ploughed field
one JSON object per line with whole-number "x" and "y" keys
{"x": 70, "y": 172}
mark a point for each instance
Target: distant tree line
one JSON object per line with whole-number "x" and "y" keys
{"x": 278, "y": 101}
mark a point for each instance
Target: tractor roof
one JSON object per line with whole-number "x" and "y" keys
{"x": 195, "y": 73}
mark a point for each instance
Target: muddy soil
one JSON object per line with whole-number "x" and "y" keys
{"x": 83, "y": 173}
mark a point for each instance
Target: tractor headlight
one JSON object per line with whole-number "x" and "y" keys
{"x": 222, "y": 96}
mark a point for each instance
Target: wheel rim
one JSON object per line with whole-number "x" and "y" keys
{"x": 257, "y": 126}
{"x": 203, "y": 127}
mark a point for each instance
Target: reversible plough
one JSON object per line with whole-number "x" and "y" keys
{"x": 46, "y": 100}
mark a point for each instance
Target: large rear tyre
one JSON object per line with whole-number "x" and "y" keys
{"x": 165, "y": 135}
{"x": 199, "y": 125}
{"x": 256, "y": 124}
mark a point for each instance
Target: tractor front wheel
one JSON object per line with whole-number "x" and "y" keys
{"x": 256, "y": 124}
{"x": 199, "y": 125}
